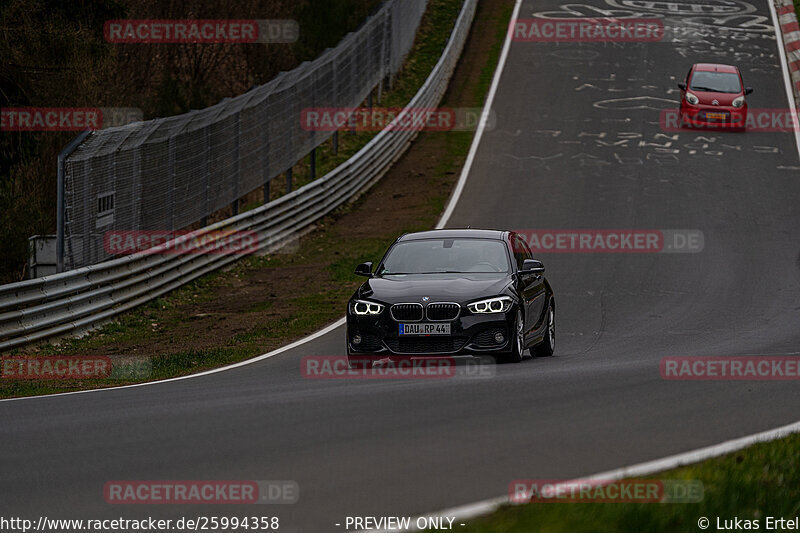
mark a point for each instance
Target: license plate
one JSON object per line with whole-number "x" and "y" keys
{"x": 716, "y": 116}
{"x": 424, "y": 328}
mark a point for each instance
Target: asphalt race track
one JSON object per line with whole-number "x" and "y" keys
{"x": 577, "y": 144}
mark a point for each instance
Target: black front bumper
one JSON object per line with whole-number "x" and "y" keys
{"x": 470, "y": 334}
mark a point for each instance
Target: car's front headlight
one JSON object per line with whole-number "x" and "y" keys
{"x": 692, "y": 99}
{"x": 739, "y": 102}
{"x": 499, "y": 304}
{"x": 364, "y": 308}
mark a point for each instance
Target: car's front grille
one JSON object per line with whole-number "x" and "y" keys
{"x": 407, "y": 312}
{"x": 426, "y": 345}
{"x": 485, "y": 339}
{"x": 442, "y": 311}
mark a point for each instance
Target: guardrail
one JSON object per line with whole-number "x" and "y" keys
{"x": 87, "y": 297}
{"x": 172, "y": 172}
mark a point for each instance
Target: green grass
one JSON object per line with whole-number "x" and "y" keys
{"x": 752, "y": 484}
{"x": 431, "y": 41}
{"x": 315, "y": 307}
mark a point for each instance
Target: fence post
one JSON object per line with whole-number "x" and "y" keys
{"x": 265, "y": 149}
{"x": 207, "y": 135}
{"x": 288, "y": 181}
{"x": 236, "y": 176}
{"x": 171, "y": 171}
{"x": 313, "y": 157}
{"x": 335, "y": 147}
{"x": 61, "y": 198}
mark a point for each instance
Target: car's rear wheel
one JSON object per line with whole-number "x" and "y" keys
{"x": 517, "y": 342}
{"x": 548, "y": 345}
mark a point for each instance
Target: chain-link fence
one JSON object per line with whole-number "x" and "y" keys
{"x": 169, "y": 173}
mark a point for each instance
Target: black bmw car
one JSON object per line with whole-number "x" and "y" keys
{"x": 452, "y": 292}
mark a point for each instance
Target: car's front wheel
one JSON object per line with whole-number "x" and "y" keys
{"x": 548, "y": 344}
{"x": 517, "y": 342}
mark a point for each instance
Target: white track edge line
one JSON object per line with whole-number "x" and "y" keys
{"x": 327, "y": 329}
{"x": 484, "y": 507}
{"x": 450, "y": 206}
{"x": 464, "y": 512}
{"x": 784, "y": 69}
{"x": 487, "y": 107}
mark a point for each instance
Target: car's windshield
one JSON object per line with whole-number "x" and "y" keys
{"x": 718, "y": 82}
{"x": 435, "y": 256}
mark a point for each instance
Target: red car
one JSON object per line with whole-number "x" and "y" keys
{"x": 714, "y": 95}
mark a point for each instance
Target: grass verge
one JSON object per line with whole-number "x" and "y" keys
{"x": 750, "y": 485}
{"x": 262, "y": 303}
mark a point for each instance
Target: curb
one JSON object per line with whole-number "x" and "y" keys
{"x": 790, "y": 30}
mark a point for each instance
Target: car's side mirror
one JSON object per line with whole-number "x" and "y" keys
{"x": 364, "y": 269}
{"x": 532, "y": 266}
{"x": 748, "y": 90}
{"x": 682, "y": 86}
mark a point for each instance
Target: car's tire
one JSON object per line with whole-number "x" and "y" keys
{"x": 517, "y": 343}
{"x": 548, "y": 345}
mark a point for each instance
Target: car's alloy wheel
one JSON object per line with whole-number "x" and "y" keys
{"x": 517, "y": 343}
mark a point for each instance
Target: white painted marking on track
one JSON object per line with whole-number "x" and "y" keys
{"x": 451, "y": 205}
{"x": 473, "y": 149}
{"x": 484, "y": 507}
{"x": 256, "y": 359}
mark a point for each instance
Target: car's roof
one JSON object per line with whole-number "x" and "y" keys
{"x": 715, "y": 67}
{"x": 454, "y": 233}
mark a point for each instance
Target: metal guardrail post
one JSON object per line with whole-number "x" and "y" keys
{"x": 313, "y": 161}
{"x": 85, "y": 297}
{"x": 289, "y": 180}
{"x": 60, "y": 197}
